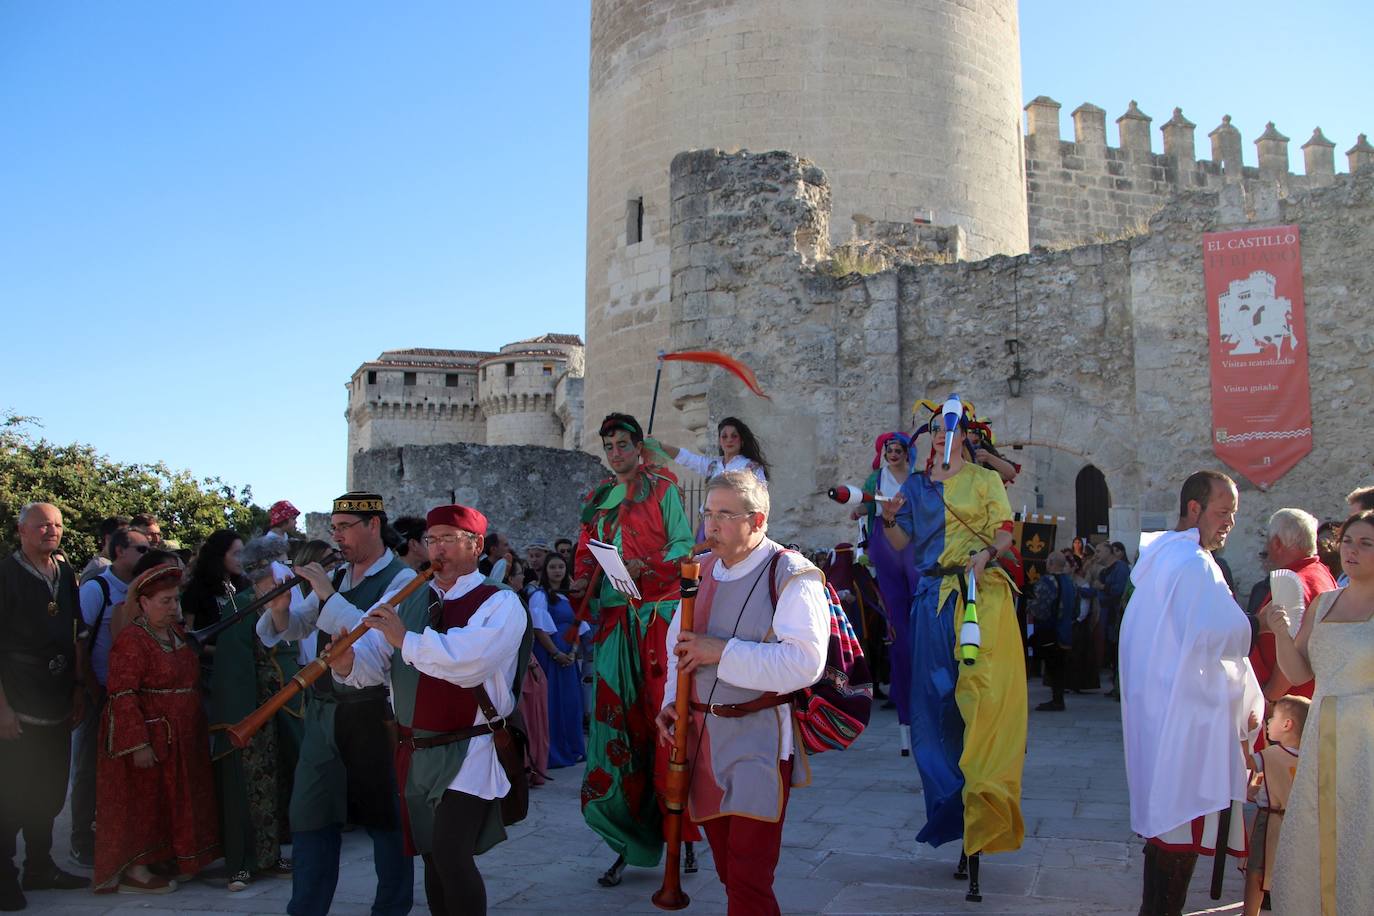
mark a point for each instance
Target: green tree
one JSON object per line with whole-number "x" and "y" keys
{"x": 88, "y": 487}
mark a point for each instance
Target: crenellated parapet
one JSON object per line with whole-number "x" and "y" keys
{"x": 1085, "y": 190}
{"x": 427, "y": 396}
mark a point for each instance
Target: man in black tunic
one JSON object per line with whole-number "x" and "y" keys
{"x": 38, "y": 701}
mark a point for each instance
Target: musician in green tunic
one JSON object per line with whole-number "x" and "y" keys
{"x": 345, "y": 773}
{"x": 254, "y": 784}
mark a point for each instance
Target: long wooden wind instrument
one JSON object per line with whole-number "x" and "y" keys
{"x": 200, "y": 638}
{"x": 242, "y": 732}
{"x": 671, "y": 895}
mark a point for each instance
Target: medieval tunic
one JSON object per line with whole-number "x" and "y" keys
{"x": 645, "y": 520}
{"x": 344, "y": 773}
{"x": 968, "y": 722}
{"x": 742, "y": 767}
{"x": 1187, "y": 692}
{"x": 38, "y": 671}
{"x": 166, "y": 812}
{"x": 254, "y": 783}
{"x": 478, "y": 634}
{"x": 735, "y": 771}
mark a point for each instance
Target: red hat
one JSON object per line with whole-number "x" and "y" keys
{"x": 281, "y": 513}
{"x": 458, "y": 517}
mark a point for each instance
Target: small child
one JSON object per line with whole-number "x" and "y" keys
{"x": 1275, "y": 768}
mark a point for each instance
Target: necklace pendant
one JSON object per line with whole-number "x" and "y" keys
{"x": 52, "y": 608}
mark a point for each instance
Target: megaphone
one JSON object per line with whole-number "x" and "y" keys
{"x": 952, "y": 410}
{"x": 849, "y": 495}
{"x": 970, "y": 637}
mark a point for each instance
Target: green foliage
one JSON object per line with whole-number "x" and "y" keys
{"x": 88, "y": 487}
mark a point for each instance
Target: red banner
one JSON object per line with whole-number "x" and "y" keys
{"x": 1261, "y": 402}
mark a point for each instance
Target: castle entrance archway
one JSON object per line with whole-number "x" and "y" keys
{"x": 1094, "y": 502}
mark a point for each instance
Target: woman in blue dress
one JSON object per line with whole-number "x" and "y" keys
{"x": 553, "y": 618}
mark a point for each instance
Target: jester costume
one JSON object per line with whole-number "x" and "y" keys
{"x": 968, "y": 722}
{"x": 645, "y": 520}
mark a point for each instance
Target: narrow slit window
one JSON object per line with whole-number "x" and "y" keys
{"x": 634, "y": 221}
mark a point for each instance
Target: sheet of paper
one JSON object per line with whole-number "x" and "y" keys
{"x": 608, "y": 558}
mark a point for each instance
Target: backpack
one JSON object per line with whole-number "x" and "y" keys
{"x": 834, "y": 711}
{"x": 94, "y": 632}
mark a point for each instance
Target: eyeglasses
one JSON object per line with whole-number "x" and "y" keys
{"x": 709, "y": 516}
{"x": 448, "y": 540}
{"x": 336, "y": 530}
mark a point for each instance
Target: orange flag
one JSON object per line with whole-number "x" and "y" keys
{"x": 715, "y": 358}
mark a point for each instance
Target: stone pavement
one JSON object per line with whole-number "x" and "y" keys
{"x": 848, "y": 847}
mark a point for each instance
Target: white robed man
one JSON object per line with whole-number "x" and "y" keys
{"x": 1189, "y": 699}
{"x": 747, "y": 654}
{"x": 478, "y": 638}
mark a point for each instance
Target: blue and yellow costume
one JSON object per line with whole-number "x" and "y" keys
{"x": 968, "y": 722}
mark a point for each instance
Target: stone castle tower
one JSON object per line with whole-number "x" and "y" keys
{"x": 913, "y": 106}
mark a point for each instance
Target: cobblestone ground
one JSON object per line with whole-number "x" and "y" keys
{"x": 848, "y": 847}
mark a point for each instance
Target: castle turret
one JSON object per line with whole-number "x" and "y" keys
{"x": 517, "y": 388}
{"x": 912, "y": 107}
{"x": 414, "y": 397}
{"x": 1319, "y": 158}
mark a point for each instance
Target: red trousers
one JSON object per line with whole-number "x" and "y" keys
{"x": 746, "y": 855}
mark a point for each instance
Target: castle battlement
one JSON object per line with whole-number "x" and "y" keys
{"x": 428, "y": 396}
{"x": 1084, "y": 190}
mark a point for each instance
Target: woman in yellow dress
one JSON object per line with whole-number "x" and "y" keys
{"x": 968, "y": 721}
{"x": 1322, "y": 867}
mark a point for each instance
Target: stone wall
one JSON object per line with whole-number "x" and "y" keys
{"x": 913, "y": 105}
{"x": 1112, "y": 342}
{"x": 527, "y": 492}
{"x": 1084, "y": 190}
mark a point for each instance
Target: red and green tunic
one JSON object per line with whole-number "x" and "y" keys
{"x": 646, "y": 521}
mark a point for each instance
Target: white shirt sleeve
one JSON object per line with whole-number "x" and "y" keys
{"x": 669, "y": 642}
{"x": 371, "y": 661}
{"x": 91, "y": 598}
{"x": 339, "y": 614}
{"x": 301, "y": 620}
{"x": 693, "y": 461}
{"x": 469, "y": 655}
{"x": 539, "y": 612}
{"x": 797, "y": 660}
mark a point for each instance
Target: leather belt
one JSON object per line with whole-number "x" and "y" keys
{"x": 463, "y": 734}
{"x": 740, "y": 710}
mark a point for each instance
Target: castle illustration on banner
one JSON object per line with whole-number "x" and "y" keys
{"x": 1253, "y": 318}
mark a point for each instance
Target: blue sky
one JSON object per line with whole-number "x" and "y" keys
{"x": 211, "y": 213}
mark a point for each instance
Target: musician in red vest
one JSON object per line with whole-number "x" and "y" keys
{"x": 478, "y": 636}
{"x": 748, "y": 652}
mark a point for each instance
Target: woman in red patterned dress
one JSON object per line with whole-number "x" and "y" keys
{"x": 154, "y": 789}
